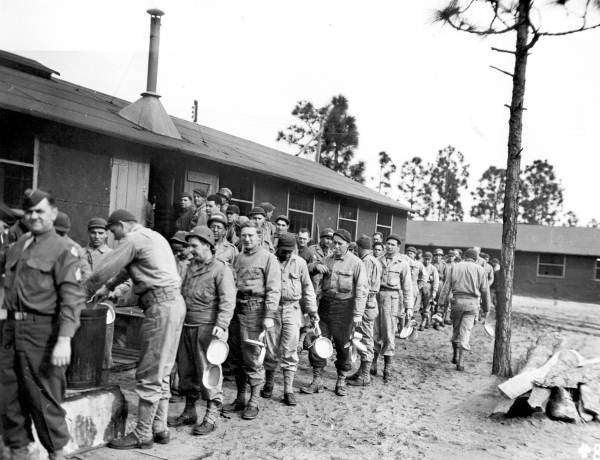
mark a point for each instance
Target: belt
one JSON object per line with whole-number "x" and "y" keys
{"x": 385, "y": 288}
{"x": 250, "y": 304}
{"x": 28, "y": 316}
{"x": 160, "y": 294}
{"x": 286, "y": 303}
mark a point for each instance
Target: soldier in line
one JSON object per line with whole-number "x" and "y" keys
{"x": 418, "y": 279}
{"x": 377, "y": 237}
{"x": 302, "y": 241}
{"x": 184, "y": 221}
{"x": 395, "y": 293}
{"x": 258, "y": 280}
{"x": 345, "y": 289}
{"x": 428, "y": 290}
{"x": 320, "y": 251}
{"x": 209, "y": 293}
{"x": 282, "y": 225}
{"x": 378, "y": 249}
{"x": 226, "y": 196}
{"x": 269, "y": 210}
{"x": 233, "y": 225}
{"x": 373, "y": 269}
{"x": 297, "y": 297}
{"x": 489, "y": 273}
{"x": 258, "y": 216}
{"x": 224, "y": 250}
{"x": 145, "y": 256}
{"x": 97, "y": 249}
{"x": 43, "y": 301}
{"x": 180, "y": 250}
{"x": 468, "y": 284}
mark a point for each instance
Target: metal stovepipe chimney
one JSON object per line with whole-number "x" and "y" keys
{"x": 153, "y": 51}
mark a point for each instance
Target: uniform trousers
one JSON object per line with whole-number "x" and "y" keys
{"x": 462, "y": 315}
{"x": 192, "y": 363}
{"x": 336, "y": 323}
{"x": 384, "y": 329}
{"x": 247, "y": 323}
{"x": 282, "y": 339}
{"x": 366, "y": 328}
{"x": 32, "y": 388}
{"x": 426, "y": 299}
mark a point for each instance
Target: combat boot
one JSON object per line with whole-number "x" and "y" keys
{"x": 316, "y": 385}
{"x": 364, "y": 378}
{"x": 288, "y": 388}
{"x": 267, "y": 389}
{"x": 427, "y": 320}
{"x": 373, "y": 370}
{"x": 213, "y": 407}
{"x": 340, "y": 385}
{"x": 387, "y": 369}
{"x": 251, "y": 410}
{"x": 239, "y": 403}
{"x": 423, "y": 323}
{"x": 459, "y": 362}
{"x": 187, "y": 417}
{"x": 454, "y": 353}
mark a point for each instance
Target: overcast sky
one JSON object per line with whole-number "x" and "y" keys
{"x": 414, "y": 87}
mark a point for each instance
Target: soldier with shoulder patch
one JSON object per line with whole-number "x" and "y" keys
{"x": 224, "y": 250}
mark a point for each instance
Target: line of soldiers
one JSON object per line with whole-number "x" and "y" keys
{"x": 271, "y": 290}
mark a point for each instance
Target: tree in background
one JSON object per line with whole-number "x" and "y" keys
{"x": 446, "y": 180}
{"x": 386, "y": 169}
{"x": 541, "y": 194}
{"x": 327, "y": 134}
{"x": 521, "y": 19}
{"x": 488, "y": 196}
{"x": 414, "y": 187}
{"x": 570, "y": 219}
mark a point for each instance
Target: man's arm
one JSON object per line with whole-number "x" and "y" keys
{"x": 484, "y": 288}
{"x": 227, "y": 291}
{"x": 406, "y": 284}
{"x": 361, "y": 290}
{"x": 112, "y": 265}
{"x": 436, "y": 282}
{"x": 71, "y": 294}
{"x": 309, "y": 299}
{"x": 272, "y": 286}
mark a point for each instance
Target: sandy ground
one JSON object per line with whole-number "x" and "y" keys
{"x": 429, "y": 411}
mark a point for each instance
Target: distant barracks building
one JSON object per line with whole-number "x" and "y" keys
{"x": 550, "y": 262}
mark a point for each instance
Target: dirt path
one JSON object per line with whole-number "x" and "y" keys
{"x": 430, "y": 411}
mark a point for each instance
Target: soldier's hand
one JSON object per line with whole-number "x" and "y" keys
{"x": 268, "y": 323}
{"x": 323, "y": 269}
{"x": 100, "y": 294}
{"x": 61, "y": 355}
{"x": 218, "y": 332}
{"x": 314, "y": 317}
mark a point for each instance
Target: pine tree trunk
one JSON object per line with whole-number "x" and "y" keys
{"x": 502, "y": 357}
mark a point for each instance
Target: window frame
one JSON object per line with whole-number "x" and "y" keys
{"x": 563, "y": 265}
{"x": 312, "y": 213}
{"x": 235, "y": 200}
{"x": 348, "y": 220}
{"x": 596, "y": 268}
{"x": 35, "y": 166}
{"x": 377, "y": 224}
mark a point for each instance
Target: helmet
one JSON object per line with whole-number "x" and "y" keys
{"x": 225, "y": 192}
{"x": 217, "y": 217}
{"x": 202, "y": 232}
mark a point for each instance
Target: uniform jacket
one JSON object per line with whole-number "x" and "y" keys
{"x": 258, "y": 275}
{"x": 184, "y": 221}
{"x": 296, "y": 284}
{"x": 466, "y": 279}
{"x": 226, "y": 252}
{"x": 396, "y": 275}
{"x": 43, "y": 274}
{"x": 209, "y": 294}
{"x": 318, "y": 255}
{"x": 347, "y": 279}
{"x": 441, "y": 269}
{"x": 374, "y": 269}
{"x": 95, "y": 255}
{"x": 431, "y": 277}
{"x": 417, "y": 273}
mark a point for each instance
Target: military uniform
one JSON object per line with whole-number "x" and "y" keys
{"x": 226, "y": 252}
{"x": 429, "y": 292}
{"x": 418, "y": 280}
{"x": 43, "y": 300}
{"x": 317, "y": 278}
{"x": 185, "y": 221}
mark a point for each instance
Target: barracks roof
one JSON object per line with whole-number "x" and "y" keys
{"x": 530, "y": 238}
{"x": 38, "y": 94}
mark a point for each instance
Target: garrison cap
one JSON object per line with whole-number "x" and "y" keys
{"x": 97, "y": 222}
{"x": 411, "y": 249}
{"x": 287, "y": 241}
{"x": 179, "y": 237}
{"x": 257, "y": 210}
{"x": 268, "y": 207}
{"x": 326, "y": 232}
{"x": 470, "y": 254}
{"x": 233, "y": 209}
{"x": 120, "y": 215}
{"x": 283, "y": 218}
{"x": 393, "y": 236}
{"x": 217, "y": 217}
{"x": 202, "y": 232}
{"x": 62, "y": 223}
{"x": 33, "y": 197}
{"x": 439, "y": 252}
{"x": 186, "y": 195}
{"x": 343, "y": 234}
{"x": 364, "y": 242}
{"x": 225, "y": 192}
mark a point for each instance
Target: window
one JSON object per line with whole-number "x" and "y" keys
{"x": 300, "y": 209}
{"x": 384, "y": 224}
{"x": 18, "y": 170}
{"x": 551, "y": 265}
{"x": 348, "y": 217}
{"x": 242, "y": 190}
{"x": 597, "y": 270}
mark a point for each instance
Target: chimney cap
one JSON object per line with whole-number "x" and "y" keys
{"x": 155, "y": 12}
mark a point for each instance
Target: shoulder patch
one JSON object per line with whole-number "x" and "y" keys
{"x": 74, "y": 251}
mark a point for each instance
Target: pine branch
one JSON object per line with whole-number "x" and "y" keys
{"x": 568, "y": 32}
{"x": 503, "y": 51}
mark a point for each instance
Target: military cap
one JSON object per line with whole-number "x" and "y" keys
{"x": 268, "y": 207}
{"x": 179, "y": 237}
{"x": 257, "y": 210}
{"x": 326, "y": 232}
{"x": 233, "y": 209}
{"x": 484, "y": 255}
{"x": 62, "y": 223}
{"x": 225, "y": 192}
{"x": 439, "y": 252}
{"x": 186, "y": 195}
{"x": 287, "y": 241}
{"x": 120, "y": 215}
{"x": 411, "y": 249}
{"x": 364, "y": 242}
{"x": 393, "y": 236}
{"x": 202, "y": 232}
{"x": 494, "y": 261}
{"x": 217, "y": 217}
{"x": 199, "y": 191}
{"x": 33, "y": 197}
{"x": 96, "y": 222}
{"x": 428, "y": 254}
{"x": 343, "y": 234}
{"x": 283, "y": 218}
{"x": 470, "y": 254}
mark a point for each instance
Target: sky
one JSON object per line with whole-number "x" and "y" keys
{"x": 413, "y": 86}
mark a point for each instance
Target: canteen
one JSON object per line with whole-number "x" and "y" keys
{"x": 322, "y": 346}
{"x": 217, "y": 352}
{"x": 212, "y": 376}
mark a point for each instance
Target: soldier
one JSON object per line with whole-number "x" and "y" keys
{"x": 145, "y": 256}
{"x": 62, "y": 227}
{"x": 321, "y": 250}
{"x": 209, "y": 293}
{"x": 468, "y": 283}
{"x": 297, "y": 297}
{"x": 43, "y": 300}
{"x": 395, "y": 293}
{"x": 224, "y": 250}
{"x": 378, "y": 249}
{"x": 429, "y": 290}
{"x": 184, "y": 221}
{"x": 345, "y": 289}
{"x": 258, "y": 280}
{"x": 96, "y": 250}
{"x": 181, "y": 252}
{"x": 377, "y": 237}
{"x": 226, "y": 196}
{"x": 258, "y": 216}
{"x": 282, "y": 225}
{"x": 233, "y": 225}
{"x": 489, "y": 274}
{"x": 373, "y": 268}
{"x": 418, "y": 279}
{"x": 302, "y": 242}
{"x": 269, "y": 210}
{"x": 200, "y": 204}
